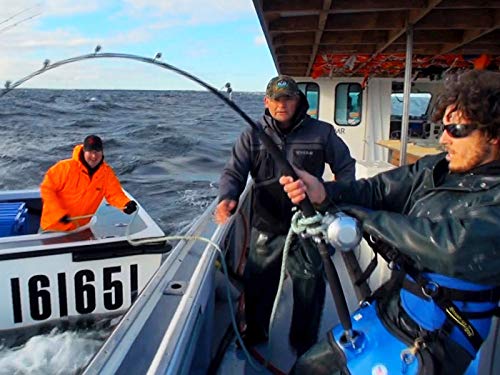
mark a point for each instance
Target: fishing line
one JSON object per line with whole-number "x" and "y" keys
{"x": 266, "y": 140}
{"x": 224, "y": 269}
{"x": 286, "y": 169}
{"x": 227, "y": 283}
{"x": 19, "y": 22}
{"x": 271, "y": 147}
{"x": 19, "y": 13}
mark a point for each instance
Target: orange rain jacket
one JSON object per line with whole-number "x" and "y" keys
{"x": 67, "y": 189}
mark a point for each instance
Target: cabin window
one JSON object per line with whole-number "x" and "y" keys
{"x": 348, "y": 104}
{"x": 419, "y": 105}
{"x": 311, "y": 91}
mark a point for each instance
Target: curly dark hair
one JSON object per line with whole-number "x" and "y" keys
{"x": 476, "y": 93}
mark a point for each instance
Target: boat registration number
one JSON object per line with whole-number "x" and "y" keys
{"x": 40, "y": 297}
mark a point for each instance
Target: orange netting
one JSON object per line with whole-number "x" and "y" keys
{"x": 390, "y": 65}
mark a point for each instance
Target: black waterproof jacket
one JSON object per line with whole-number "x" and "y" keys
{"x": 448, "y": 223}
{"x": 308, "y": 145}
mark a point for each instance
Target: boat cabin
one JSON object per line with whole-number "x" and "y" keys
{"x": 350, "y": 58}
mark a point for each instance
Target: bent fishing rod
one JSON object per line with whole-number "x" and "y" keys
{"x": 305, "y": 206}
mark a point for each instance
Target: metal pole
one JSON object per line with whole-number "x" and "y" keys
{"x": 406, "y": 94}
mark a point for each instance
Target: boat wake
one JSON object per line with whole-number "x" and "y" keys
{"x": 58, "y": 352}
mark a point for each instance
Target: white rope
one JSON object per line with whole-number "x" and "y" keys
{"x": 281, "y": 283}
{"x": 132, "y": 242}
{"x": 309, "y": 226}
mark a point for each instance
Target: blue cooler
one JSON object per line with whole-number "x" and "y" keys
{"x": 12, "y": 218}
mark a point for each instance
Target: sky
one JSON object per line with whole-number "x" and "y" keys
{"x": 217, "y": 40}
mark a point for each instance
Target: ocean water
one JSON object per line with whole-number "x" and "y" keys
{"x": 167, "y": 148}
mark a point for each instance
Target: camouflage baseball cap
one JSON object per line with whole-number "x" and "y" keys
{"x": 282, "y": 86}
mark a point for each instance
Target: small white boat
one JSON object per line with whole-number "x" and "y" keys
{"x": 48, "y": 278}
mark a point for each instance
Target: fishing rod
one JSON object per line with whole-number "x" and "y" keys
{"x": 305, "y": 206}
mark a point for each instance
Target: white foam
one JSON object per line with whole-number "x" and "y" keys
{"x": 54, "y": 353}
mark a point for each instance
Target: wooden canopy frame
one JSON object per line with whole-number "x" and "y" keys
{"x": 361, "y": 38}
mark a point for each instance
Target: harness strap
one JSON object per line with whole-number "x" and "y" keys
{"x": 386, "y": 289}
{"x": 368, "y": 271}
{"x": 461, "y": 322}
{"x": 482, "y": 314}
{"x": 432, "y": 289}
{"x": 378, "y": 247}
{"x": 451, "y": 311}
{"x": 445, "y": 303}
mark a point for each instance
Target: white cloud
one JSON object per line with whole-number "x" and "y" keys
{"x": 70, "y": 7}
{"x": 190, "y": 11}
{"x": 148, "y": 17}
{"x": 260, "y": 40}
{"x": 53, "y": 39}
{"x": 12, "y": 7}
{"x": 15, "y": 17}
{"x": 20, "y": 19}
{"x": 58, "y": 33}
{"x": 132, "y": 36}
{"x": 193, "y": 6}
{"x": 26, "y": 8}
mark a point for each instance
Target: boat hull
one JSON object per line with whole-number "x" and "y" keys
{"x": 48, "y": 288}
{"x": 97, "y": 270}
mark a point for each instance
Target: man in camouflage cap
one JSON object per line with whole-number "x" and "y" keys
{"x": 282, "y": 99}
{"x": 282, "y": 86}
{"x": 307, "y": 143}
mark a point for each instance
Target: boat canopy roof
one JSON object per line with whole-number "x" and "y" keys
{"x": 367, "y": 38}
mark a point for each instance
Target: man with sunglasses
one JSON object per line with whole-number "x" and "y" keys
{"x": 442, "y": 214}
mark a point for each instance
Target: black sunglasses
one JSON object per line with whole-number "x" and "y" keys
{"x": 460, "y": 130}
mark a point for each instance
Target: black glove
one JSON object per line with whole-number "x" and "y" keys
{"x": 65, "y": 219}
{"x": 130, "y": 207}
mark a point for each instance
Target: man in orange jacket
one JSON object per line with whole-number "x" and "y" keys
{"x": 75, "y": 187}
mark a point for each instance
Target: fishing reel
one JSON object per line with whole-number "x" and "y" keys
{"x": 343, "y": 232}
